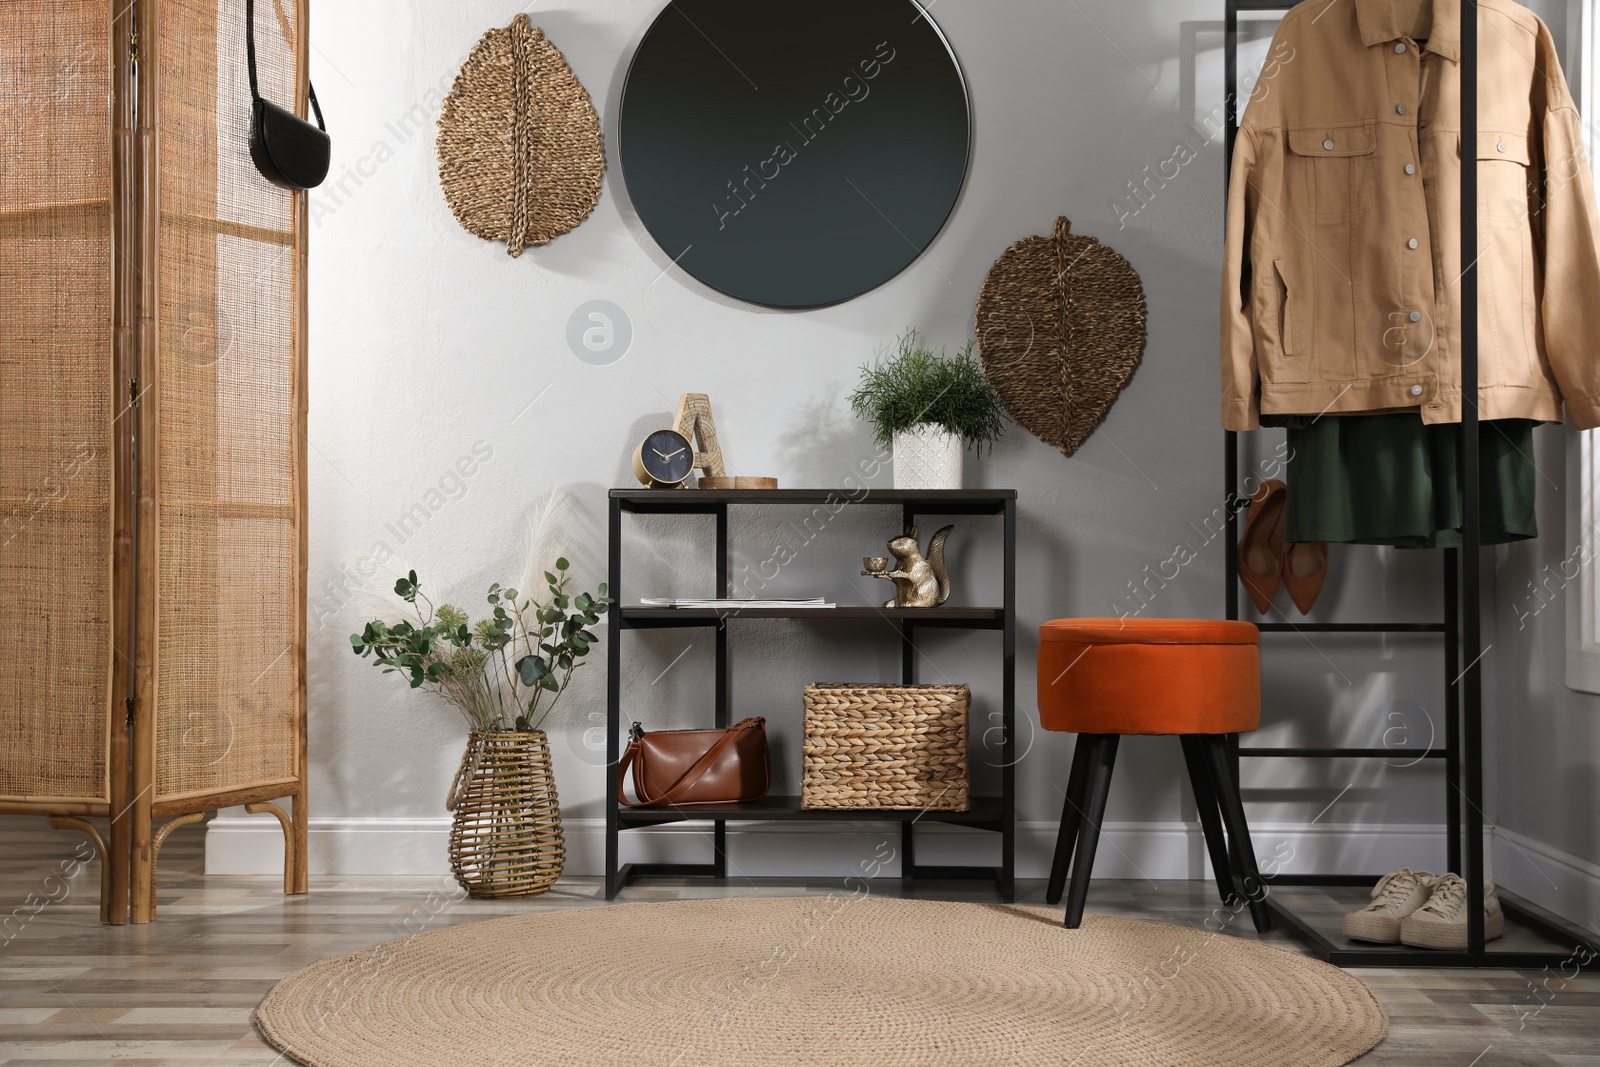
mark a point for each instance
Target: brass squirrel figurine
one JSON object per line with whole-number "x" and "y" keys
{"x": 920, "y": 582}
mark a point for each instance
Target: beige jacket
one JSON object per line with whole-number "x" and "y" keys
{"x": 1341, "y": 287}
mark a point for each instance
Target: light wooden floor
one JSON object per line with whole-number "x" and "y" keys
{"x": 180, "y": 991}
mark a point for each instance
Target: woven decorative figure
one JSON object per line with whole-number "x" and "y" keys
{"x": 520, "y": 151}
{"x": 1061, "y": 329}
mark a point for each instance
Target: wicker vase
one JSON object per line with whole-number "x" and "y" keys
{"x": 505, "y": 840}
{"x": 927, "y": 456}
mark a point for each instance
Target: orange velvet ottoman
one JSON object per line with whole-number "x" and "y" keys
{"x": 1199, "y": 679}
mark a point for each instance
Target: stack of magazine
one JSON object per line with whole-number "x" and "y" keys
{"x": 693, "y": 602}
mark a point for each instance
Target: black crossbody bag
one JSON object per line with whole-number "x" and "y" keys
{"x": 288, "y": 151}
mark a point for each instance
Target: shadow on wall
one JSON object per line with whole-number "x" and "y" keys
{"x": 822, "y": 432}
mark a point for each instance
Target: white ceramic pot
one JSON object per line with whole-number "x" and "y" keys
{"x": 927, "y": 456}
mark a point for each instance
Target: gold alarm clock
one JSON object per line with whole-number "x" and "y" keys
{"x": 663, "y": 460}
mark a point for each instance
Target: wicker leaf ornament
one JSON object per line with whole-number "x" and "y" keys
{"x": 1061, "y": 329}
{"x": 520, "y": 152}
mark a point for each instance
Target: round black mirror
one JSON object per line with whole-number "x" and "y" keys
{"x": 794, "y": 155}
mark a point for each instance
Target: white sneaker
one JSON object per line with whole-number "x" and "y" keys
{"x": 1442, "y": 921}
{"x": 1395, "y": 897}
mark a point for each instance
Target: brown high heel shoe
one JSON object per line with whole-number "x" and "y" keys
{"x": 1261, "y": 548}
{"x": 1305, "y": 568}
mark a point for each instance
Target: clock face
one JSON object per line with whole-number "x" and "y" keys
{"x": 667, "y": 456}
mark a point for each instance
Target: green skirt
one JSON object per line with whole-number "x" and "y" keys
{"x": 1394, "y": 480}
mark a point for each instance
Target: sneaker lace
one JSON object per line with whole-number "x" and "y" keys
{"x": 1448, "y": 897}
{"x": 1394, "y": 888}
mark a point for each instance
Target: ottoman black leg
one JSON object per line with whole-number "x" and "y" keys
{"x": 1071, "y": 818}
{"x": 1231, "y": 746}
{"x": 1102, "y": 759}
{"x": 1205, "y": 798}
{"x": 1255, "y": 891}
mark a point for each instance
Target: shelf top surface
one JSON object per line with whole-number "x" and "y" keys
{"x": 790, "y": 808}
{"x": 913, "y": 614}
{"x": 930, "y": 499}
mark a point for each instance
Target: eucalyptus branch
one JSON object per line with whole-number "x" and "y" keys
{"x": 566, "y": 680}
{"x": 523, "y": 644}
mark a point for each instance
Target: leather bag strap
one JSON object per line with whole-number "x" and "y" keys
{"x": 250, "y": 63}
{"x": 695, "y": 772}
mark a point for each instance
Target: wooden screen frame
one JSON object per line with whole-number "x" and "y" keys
{"x": 144, "y": 807}
{"x": 129, "y": 852}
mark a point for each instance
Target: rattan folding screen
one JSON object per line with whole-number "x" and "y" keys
{"x": 152, "y": 428}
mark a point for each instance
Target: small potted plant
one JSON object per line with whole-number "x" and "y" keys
{"x": 505, "y": 674}
{"x": 930, "y": 407}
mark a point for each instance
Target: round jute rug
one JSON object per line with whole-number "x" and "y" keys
{"x": 820, "y": 980}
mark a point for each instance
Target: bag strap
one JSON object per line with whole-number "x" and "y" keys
{"x": 695, "y": 772}
{"x": 250, "y": 63}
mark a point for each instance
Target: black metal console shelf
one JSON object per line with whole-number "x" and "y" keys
{"x": 961, "y": 618}
{"x": 1550, "y": 941}
{"x": 993, "y": 813}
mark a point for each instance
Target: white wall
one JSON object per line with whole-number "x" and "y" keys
{"x": 426, "y": 341}
{"x": 1544, "y": 746}
{"x": 1545, "y": 749}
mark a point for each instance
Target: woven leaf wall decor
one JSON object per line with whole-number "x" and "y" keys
{"x": 1061, "y": 329}
{"x": 520, "y": 152}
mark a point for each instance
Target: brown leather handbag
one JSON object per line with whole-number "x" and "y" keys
{"x": 673, "y": 767}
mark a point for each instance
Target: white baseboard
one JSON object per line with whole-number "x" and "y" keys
{"x": 241, "y": 844}
{"x": 253, "y": 844}
{"x": 1555, "y": 880}
{"x": 1559, "y": 881}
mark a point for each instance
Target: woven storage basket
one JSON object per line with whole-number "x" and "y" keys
{"x": 505, "y": 839}
{"x": 885, "y": 746}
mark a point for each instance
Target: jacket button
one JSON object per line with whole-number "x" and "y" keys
{"x": 1328, "y": 145}
{"x": 1399, "y": 109}
{"x": 1410, "y": 169}
{"x": 1398, "y": 48}
{"x": 1416, "y": 390}
{"x": 1501, "y": 147}
{"x": 1411, "y": 243}
{"x": 1416, "y": 316}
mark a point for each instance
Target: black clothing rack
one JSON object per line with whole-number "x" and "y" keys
{"x": 1460, "y": 629}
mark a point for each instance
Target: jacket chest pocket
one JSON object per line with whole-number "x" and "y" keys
{"x": 1505, "y": 189}
{"x": 1330, "y": 168}
{"x": 1507, "y": 210}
